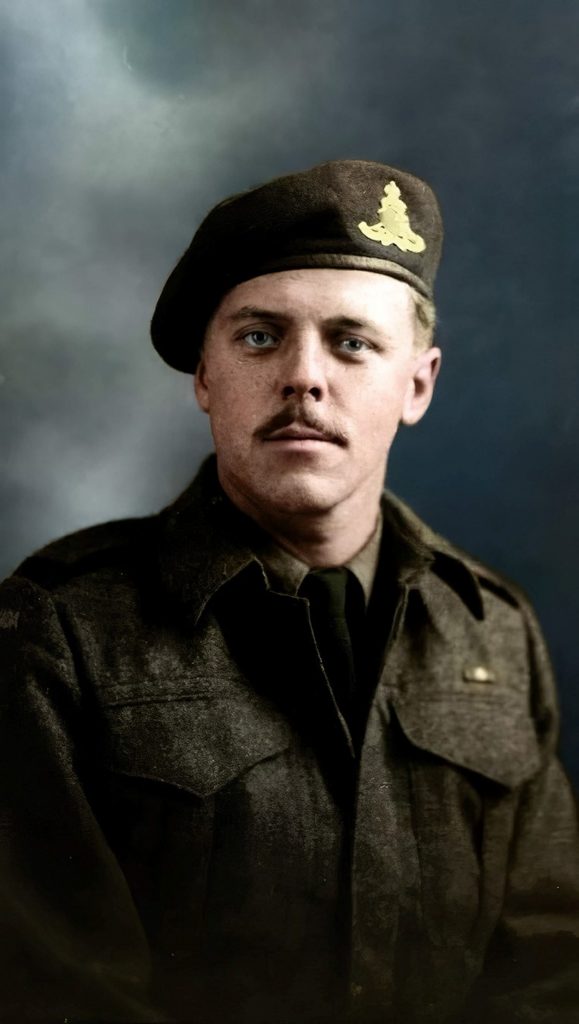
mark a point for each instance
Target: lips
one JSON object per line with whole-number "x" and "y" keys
{"x": 298, "y": 434}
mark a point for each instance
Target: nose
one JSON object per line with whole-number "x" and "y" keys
{"x": 302, "y": 371}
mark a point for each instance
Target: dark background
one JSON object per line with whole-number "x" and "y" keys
{"x": 123, "y": 121}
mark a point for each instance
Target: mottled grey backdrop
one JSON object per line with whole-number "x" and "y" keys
{"x": 124, "y": 120}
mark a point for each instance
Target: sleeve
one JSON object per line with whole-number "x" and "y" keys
{"x": 72, "y": 944}
{"x": 532, "y": 968}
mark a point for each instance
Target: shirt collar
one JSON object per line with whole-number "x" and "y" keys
{"x": 206, "y": 541}
{"x": 286, "y": 572}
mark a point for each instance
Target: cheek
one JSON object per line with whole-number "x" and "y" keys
{"x": 237, "y": 408}
{"x": 380, "y": 410}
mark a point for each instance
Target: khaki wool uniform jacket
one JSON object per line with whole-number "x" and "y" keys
{"x": 188, "y": 832}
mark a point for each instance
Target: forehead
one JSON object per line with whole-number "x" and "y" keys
{"x": 322, "y": 293}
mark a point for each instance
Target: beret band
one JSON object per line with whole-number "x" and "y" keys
{"x": 341, "y": 261}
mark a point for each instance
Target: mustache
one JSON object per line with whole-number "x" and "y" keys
{"x": 301, "y": 416}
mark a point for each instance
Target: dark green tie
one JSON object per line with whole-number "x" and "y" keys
{"x": 326, "y": 591}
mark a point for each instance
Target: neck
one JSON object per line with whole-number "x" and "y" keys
{"x": 320, "y": 538}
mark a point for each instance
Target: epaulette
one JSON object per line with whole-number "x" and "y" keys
{"x": 83, "y": 551}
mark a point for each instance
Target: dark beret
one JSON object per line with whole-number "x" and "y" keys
{"x": 345, "y": 214}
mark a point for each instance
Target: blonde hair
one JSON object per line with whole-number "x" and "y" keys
{"x": 425, "y": 315}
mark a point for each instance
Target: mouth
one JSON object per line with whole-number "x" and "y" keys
{"x": 304, "y": 441}
{"x": 298, "y": 435}
{"x": 296, "y": 430}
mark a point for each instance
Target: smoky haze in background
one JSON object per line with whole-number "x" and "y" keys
{"x": 123, "y": 121}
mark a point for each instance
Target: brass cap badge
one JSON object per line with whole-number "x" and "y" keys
{"x": 393, "y": 227}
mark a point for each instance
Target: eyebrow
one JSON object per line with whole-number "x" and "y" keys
{"x": 352, "y": 322}
{"x": 256, "y": 312}
{"x": 335, "y": 322}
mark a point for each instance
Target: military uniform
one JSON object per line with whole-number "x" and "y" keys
{"x": 190, "y": 834}
{"x": 198, "y": 823}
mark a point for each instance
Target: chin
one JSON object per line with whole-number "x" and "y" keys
{"x": 298, "y": 496}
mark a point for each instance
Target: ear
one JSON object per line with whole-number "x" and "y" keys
{"x": 201, "y": 384}
{"x": 421, "y": 385}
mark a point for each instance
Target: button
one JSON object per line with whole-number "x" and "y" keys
{"x": 478, "y": 674}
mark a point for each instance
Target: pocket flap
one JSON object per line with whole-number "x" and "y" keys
{"x": 198, "y": 745}
{"x": 494, "y": 737}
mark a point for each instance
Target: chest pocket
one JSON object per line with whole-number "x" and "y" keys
{"x": 468, "y": 755}
{"x": 196, "y": 743}
{"x": 488, "y": 733}
{"x": 173, "y": 768}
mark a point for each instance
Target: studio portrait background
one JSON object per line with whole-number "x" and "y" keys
{"x": 123, "y": 121}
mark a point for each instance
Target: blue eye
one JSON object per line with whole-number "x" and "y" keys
{"x": 259, "y": 339}
{"x": 353, "y": 345}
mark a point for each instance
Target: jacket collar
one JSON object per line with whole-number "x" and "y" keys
{"x": 421, "y": 549}
{"x": 206, "y": 541}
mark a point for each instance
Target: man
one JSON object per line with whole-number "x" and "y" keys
{"x": 282, "y": 753}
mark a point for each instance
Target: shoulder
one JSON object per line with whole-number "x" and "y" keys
{"x": 103, "y": 550}
{"x": 496, "y": 585}
{"x": 451, "y": 561}
{"x": 80, "y": 589}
